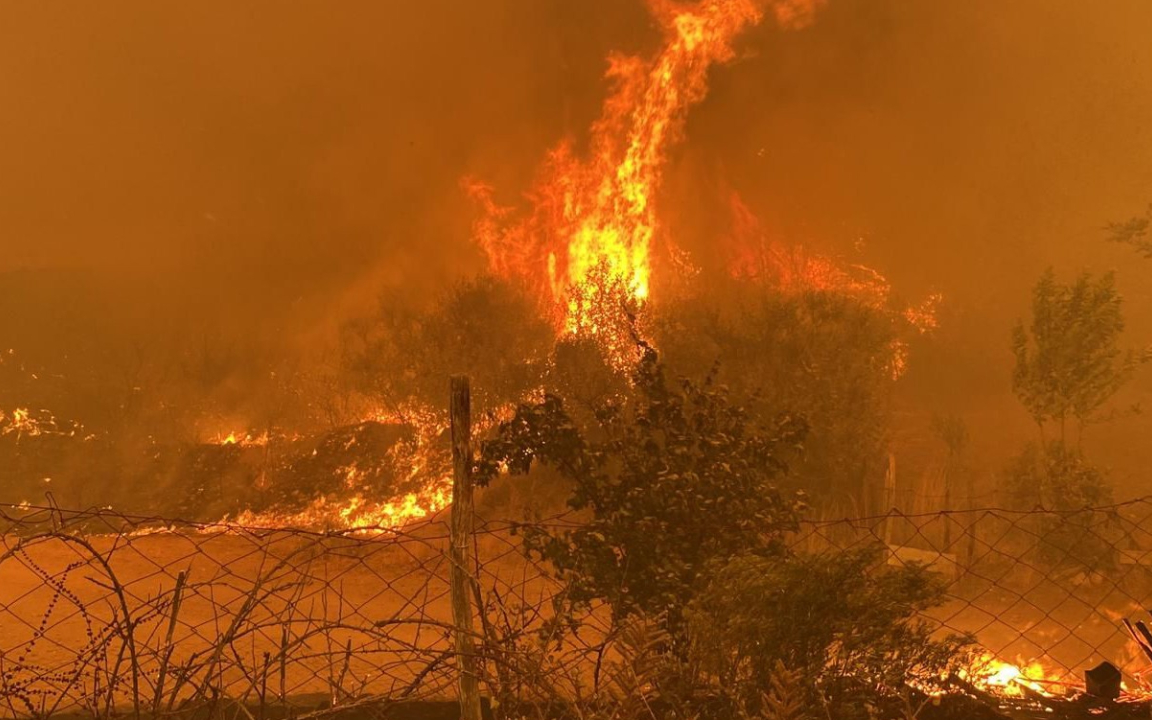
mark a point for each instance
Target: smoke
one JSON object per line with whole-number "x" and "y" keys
{"x": 248, "y": 177}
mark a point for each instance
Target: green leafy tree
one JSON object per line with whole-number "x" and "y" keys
{"x": 1068, "y": 360}
{"x": 670, "y": 477}
{"x": 1056, "y": 477}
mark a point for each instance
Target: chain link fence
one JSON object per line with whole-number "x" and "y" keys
{"x": 102, "y": 612}
{"x": 1040, "y": 586}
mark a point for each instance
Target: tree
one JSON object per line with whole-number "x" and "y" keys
{"x": 824, "y": 355}
{"x": 1134, "y": 232}
{"x": 671, "y": 479}
{"x": 485, "y": 327}
{"x": 1068, "y": 360}
{"x": 1060, "y": 480}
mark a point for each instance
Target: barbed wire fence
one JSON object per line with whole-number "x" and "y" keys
{"x": 103, "y": 613}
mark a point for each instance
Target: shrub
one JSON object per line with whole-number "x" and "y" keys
{"x": 1059, "y": 479}
{"x": 845, "y": 623}
{"x": 671, "y": 479}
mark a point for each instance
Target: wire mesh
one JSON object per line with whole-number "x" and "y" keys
{"x": 102, "y": 612}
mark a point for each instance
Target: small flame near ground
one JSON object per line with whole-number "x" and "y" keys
{"x": 1012, "y": 680}
{"x": 242, "y": 439}
{"x": 1025, "y": 680}
{"x": 25, "y": 423}
{"x": 416, "y": 462}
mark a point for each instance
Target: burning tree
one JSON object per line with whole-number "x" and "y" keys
{"x": 592, "y": 219}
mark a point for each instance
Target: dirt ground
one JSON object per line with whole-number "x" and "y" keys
{"x": 266, "y": 613}
{"x": 354, "y": 614}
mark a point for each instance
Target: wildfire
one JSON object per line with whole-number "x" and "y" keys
{"x": 587, "y": 239}
{"x": 1010, "y": 679}
{"x": 420, "y": 465}
{"x": 241, "y": 439}
{"x": 22, "y": 423}
{"x": 1016, "y": 681}
{"x": 755, "y": 257}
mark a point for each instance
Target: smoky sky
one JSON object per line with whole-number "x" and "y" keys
{"x": 269, "y": 166}
{"x": 252, "y": 156}
{"x": 265, "y": 153}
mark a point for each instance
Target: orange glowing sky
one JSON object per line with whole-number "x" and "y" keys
{"x": 267, "y": 167}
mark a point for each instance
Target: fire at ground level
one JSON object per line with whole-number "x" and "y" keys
{"x": 369, "y": 617}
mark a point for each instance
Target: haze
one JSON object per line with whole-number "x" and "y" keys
{"x": 262, "y": 171}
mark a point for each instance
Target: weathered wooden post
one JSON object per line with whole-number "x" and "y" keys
{"x": 890, "y": 499}
{"x": 461, "y": 547}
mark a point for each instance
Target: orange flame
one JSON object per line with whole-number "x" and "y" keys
{"x": 1009, "y": 680}
{"x": 241, "y": 438}
{"x": 791, "y": 269}
{"x": 593, "y": 219}
{"x": 418, "y": 462}
{"x": 585, "y": 244}
{"x": 25, "y": 423}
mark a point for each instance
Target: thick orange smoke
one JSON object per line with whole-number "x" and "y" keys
{"x": 593, "y": 218}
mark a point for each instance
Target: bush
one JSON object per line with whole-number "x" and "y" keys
{"x": 821, "y": 354}
{"x": 1061, "y": 480}
{"x": 671, "y": 478}
{"x": 844, "y": 623}
{"x": 486, "y": 328}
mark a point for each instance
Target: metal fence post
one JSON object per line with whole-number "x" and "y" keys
{"x": 461, "y": 544}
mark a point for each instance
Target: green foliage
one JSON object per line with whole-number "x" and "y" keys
{"x": 485, "y": 328}
{"x": 784, "y": 698}
{"x": 1068, "y": 361}
{"x": 647, "y": 680}
{"x": 1056, "y": 478}
{"x": 671, "y": 479}
{"x": 1059, "y": 479}
{"x": 823, "y": 355}
{"x": 845, "y": 622}
{"x": 581, "y": 374}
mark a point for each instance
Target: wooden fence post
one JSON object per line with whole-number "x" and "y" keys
{"x": 461, "y": 547}
{"x": 890, "y": 499}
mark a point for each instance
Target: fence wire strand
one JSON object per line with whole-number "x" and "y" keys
{"x": 102, "y": 611}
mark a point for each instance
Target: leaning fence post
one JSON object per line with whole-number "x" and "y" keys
{"x": 461, "y": 542}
